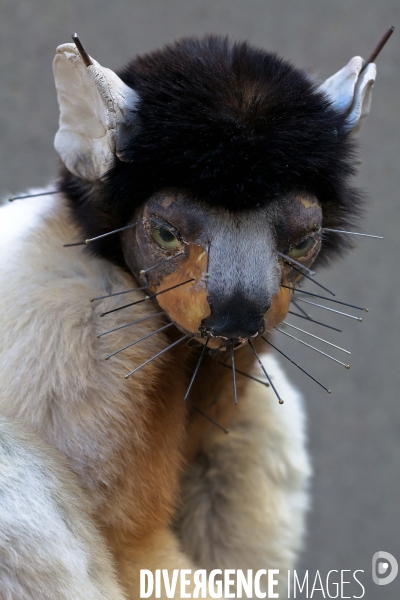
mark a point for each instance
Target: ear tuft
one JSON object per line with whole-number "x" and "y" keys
{"x": 349, "y": 90}
{"x": 96, "y": 107}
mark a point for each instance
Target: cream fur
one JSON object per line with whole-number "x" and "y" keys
{"x": 241, "y": 502}
{"x": 49, "y": 546}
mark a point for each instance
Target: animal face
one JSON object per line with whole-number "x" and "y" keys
{"x": 223, "y": 165}
{"x": 228, "y": 261}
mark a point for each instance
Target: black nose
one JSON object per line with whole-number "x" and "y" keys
{"x": 236, "y": 318}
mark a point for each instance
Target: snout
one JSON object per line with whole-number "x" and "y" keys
{"x": 235, "y": 319}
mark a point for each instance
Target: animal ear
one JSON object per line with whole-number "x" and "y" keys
{"x": 96, "y": 108}
{"x": 350, "y": 91}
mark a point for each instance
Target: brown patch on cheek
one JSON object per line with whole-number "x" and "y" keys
{"x": 187, "y": 305}
{"x": 279, "y": 308}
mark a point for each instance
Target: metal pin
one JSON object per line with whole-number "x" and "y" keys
{"x": 131, "y": 323}
{"x": 74, "y": 244}
{"x": 12, "y": 198}
{"x": 87, "y": 61}
{"x": 119, "y": 293}
{"x": 306, "y": 314}
{"x": 213, "y": 421}
{"x": 233, "y": 374}
{"x": 379, "y": 237}
{"x": 296, "y": 365}
{"x": 196, "y": 369}
{"x": 246, "y": 375}
{"x": 107, "y": 312}
{"x": 145, "y": 298}
{"x": 325, "y": 298}
{"x": 316, "y": 337}
{"x": 330, "y": 309}
{"x": 137, "y": 341}
{"x": 265, "y": 372}
{"x": 379, "y": 47}
{"x": 313, "y": 280}
{"x": 143, "y": 271}
{"x": 313, "y": 348}
{"x": 295, "y": 262}
{"x": 158, "y": 354}
{"x": 98, "y": 237}
{"x": 207, "y": 273}
{"x": 290, "y": 312}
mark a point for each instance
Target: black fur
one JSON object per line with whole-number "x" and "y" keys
{"x": 230, "y": 125}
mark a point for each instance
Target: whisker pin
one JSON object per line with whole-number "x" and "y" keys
{"x": 292, "y": 261}
{"x": 131, "y": 323}
{"x": 103, "y": 235}
{"x": 196, "y": 368}
{"x": 12, "y": 198}
{"x": 313, "y": 348}
{"x": 330, "y": 309}
{"x": 315, "y": 336}
{"x": 162, "y": 262}
{"x": 107, "y": 312}
{"x": 300, "y": 291}
{"x": 313, "y": 280}
{"x": 290, "y": 312}
{"x": 379, "y": 237}
{"x": 119, "y": 293}
{"x": 137, "y": 341}
{"x": 74, "y": 244}
{"x": 296, "y": 365}
{"x": 265, "y": 372}
{"x": 213, "y": 421}
{"x": 306, "y": 314}
{"x": 246, "y": 374}
{"x": 157, "y": 355}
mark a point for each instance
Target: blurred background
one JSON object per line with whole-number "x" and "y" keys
{"x": 354, "y": 433}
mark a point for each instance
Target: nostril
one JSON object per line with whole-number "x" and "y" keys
{"x": 233, "y": 324}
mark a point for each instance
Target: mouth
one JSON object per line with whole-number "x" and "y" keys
{"x": 222, "y": 343}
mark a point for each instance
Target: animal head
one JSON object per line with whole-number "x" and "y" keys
{"x": 221, "y": 166}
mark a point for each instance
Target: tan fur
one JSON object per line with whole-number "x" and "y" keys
{"x": 129, "y": 442}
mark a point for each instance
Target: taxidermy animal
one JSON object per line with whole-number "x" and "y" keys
{"x": 206, "y": 178}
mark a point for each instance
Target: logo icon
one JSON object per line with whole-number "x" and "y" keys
{"x": 384, "y": 568}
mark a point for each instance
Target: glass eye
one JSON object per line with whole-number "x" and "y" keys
{"x": 302, "y": 249}
{"x": 164, "y": 238}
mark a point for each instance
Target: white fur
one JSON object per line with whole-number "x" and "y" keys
{"x": 49, "y": 546}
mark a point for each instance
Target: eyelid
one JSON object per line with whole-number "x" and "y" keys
{"x": 299, "y": 241}
{"x": 315, "y": 234}
{"x": 157, "y": 222}
{"x": 308, "y": 237}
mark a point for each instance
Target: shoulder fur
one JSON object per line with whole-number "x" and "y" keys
{"x": 53, "y": 374}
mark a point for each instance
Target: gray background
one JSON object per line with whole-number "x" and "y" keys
{"x": 354, "y": 433}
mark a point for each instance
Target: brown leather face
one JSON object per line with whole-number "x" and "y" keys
{"x": 216, "y": 274}
{"x": 186, "y": 305}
